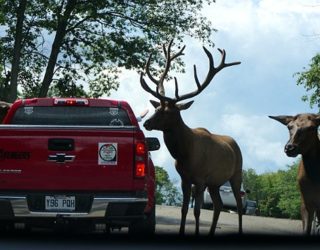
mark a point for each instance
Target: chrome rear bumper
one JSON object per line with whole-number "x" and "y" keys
{"x": 98, "y": 209}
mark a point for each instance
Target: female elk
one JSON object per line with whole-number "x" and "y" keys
{"x": 304, "y": 140}
{"x": 201, "y": 158}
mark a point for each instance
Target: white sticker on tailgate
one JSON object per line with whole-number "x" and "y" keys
{"x": 107, "y": 153}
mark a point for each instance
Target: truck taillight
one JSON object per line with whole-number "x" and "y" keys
{"x": 140, "y": 148}
{"x": 140, "y": 159}
{"x": 140, "y": 169}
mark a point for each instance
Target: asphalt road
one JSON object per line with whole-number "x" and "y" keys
{"x": 168, "y": 221}
{"x": 259, "y": 232}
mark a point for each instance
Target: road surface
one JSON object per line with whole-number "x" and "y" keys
{"x": 168, "y": 221}
{"x": 259, "y": 233}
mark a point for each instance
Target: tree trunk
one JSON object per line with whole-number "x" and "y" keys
{"x": 57, "y": 43}
{"x": 13, "y": 90}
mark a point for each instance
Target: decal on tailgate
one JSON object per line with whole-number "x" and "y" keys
{"x": 107, "y": 153}
{"x": 14, "y": 155}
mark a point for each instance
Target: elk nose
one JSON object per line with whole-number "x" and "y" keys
{"x": 146, "y": 124}
{"x": 290, "y": 148}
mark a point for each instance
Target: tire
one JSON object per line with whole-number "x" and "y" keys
{"x": 144, "y": 226}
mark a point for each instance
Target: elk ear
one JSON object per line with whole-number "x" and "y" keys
{"x": 155, "y": 104}
{"x": 284, "y": 119}
{"x": 184, "y": 106}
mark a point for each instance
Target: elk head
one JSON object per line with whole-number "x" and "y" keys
{"x": 167, "y": 112}
{"x": 303, "y": 130}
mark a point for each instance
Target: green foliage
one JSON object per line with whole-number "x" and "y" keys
{"x": 166, "y": 192}
{"x": 251, "y": 183}
{"x": 310, "y": 79}
{"x": 2, "y": 15}
{"x": 67, "y": 43}
{"x": 32, "y": 59}
{"x": 276, "y": 193}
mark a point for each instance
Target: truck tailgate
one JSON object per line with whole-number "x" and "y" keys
{"x": 91, "y": 158}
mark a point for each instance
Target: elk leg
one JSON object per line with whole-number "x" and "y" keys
{"x": 236, "y": 187}
{"x": 318, "y": 216}
{"x": 198, "y": 197}
{"x": 307, "y": 216}
{"x": 186, "y": 191}
{"x": 309, "y": 222}
{"x": 217, "y": 206}
{"x": 192, "y": 196}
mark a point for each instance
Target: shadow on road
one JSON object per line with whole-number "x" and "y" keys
{"x": 63, "y": 241}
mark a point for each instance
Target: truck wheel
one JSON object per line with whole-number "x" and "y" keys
{"x": 144, "y": 226}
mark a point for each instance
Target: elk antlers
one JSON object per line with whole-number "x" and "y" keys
{"x": 160, "y": 92}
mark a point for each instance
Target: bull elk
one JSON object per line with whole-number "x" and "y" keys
{"x": 201, "y": 158}
{"x": 304, "y": 140}
{"x": 4, "y": 106}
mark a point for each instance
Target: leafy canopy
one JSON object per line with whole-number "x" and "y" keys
{"x": 310, "y": 80}
{"x": 69, "y": 43}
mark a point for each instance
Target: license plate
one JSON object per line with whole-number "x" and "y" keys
{"x": 60, "y": 203}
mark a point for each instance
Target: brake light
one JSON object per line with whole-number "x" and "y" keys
{"x": 71, "y": 102}
{"x": 140, "y": 159}
{"x": 140, "y": 148}
{"x": 140, "y": 169}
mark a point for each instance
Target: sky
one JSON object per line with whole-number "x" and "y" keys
{"x": 273, "y": 39}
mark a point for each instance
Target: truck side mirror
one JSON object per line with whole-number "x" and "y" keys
{"x": 153, "y": 143}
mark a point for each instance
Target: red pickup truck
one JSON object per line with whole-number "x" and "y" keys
{"x": 65, "y": 161}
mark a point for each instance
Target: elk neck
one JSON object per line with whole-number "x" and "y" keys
{"x": 311, "y": 162}
{"x": 178, "y": 139}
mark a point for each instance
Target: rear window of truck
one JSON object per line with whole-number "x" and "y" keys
{"x": 71, "y": 115}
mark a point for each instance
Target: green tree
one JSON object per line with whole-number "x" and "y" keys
{"x": 309, "y": 78}
{"x": 251, "y": 183}
{"x": 21, "y": 47}
{"x": 269, "y": 196}
{"x": 276, "y": 193}
{"x": 290, "y": 200}
{"x": 90, "y": 41}
{"x": 2, "y": 13}
{"x": 166, "y": 192}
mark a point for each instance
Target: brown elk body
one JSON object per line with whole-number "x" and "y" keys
{"x": 304, "y": 140}
{"x": 201, "y": 158}
{"x": 4, "y": 106}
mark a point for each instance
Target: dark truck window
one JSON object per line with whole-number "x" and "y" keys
{"x": 71, "y": 115}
